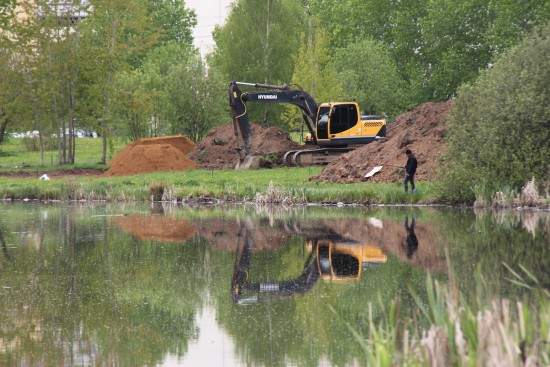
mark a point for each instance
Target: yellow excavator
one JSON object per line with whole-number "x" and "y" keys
{"x": 334, "y": 127}
{"x": 333, "y": 258}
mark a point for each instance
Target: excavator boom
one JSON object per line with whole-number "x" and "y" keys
{"x": 274, "y": 94}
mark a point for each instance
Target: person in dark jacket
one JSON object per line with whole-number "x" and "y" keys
{"x": 410, "y": 170}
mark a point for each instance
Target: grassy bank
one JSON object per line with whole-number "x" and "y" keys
{"x": 280, "y": 186}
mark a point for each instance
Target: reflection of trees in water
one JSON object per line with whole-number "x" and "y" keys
{"x": 91, "y": 295}
{"x": 497, "y": 237}
{"x": 532, "y": 221}
{"x": 4, "y": 247}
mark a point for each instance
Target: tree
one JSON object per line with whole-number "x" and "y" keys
{"x": 133, "y": 108}
{"x": 499, "y": 128}
{"x": 257, "y": 41}
{"x": 194, "y": 98}
{"x": 369, "y": 74}
{"x": 314, "y": 72}
{"x": 175, "y": 21}
{"x": 118, "y": 32}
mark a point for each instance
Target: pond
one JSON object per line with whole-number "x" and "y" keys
{"x": 168, "y": 285}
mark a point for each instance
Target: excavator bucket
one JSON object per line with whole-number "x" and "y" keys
{"x": 249, "y": 162}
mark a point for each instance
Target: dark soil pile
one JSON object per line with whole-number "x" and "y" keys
{"x": 218, "y": 149}
{"x": 422, "y": 130}
{"x": 164, "y": 154}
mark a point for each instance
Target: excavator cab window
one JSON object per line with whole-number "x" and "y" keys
{"x": 344, "y": 264}
{"x": 342, "y": 118}
{"x": 322, "y": 123}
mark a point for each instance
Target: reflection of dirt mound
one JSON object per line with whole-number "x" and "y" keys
{"x": 390, "y": 236}
{"x": 217, "y": 149}
{"x": 223, "y": 234}
{"x": 156, "y": 227}
{"x": 152, "y": 155}
{"x": 421, "y": 130}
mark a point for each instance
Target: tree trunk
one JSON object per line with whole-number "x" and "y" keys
{"x": 4, "y": 121}
{"x": 108, "y": 86}
{"x": 266, "y": 62}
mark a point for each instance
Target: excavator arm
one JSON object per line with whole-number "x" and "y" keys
{"x": 241, "y": 284}
{"x": 273, "y": 94}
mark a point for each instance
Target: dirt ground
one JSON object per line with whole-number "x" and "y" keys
{"x": 422, "y": 130}
{"x": 65, "y": 173}
{"x": 218, "y": 149}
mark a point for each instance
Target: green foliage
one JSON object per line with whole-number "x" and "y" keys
{"x": 370, "y": 75}
{"x": 175, "y": 21}
{"x": 437, "y": 45}
{"x": 196, "y": 100}
{"x": 499, "y": 127}
{"x": 256, "y": 44}
{"x": 314, "y": 72}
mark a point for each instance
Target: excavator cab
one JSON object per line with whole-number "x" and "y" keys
{"x": 340, "y": 124}
{"x": 344, "y": 260}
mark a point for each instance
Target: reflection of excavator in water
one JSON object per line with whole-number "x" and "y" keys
{"x": 331, "y": 258}
{"x": 332, "y": 126}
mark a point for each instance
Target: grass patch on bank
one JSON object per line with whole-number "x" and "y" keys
{"x": 231, "y": 185}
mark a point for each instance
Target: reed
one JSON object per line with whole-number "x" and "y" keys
{"x": 491, "y": 332}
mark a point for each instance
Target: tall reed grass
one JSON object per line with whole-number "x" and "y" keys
{"x": 491, "y": 332}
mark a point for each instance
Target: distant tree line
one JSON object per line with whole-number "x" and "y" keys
{"x": 111, "y": 66}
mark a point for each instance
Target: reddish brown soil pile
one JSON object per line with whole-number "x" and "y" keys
{"x": 156, "y": 227}
{"x": 167, "y": 153}
{"x": 218, "y": 149}
{"x": 421, "y": 130}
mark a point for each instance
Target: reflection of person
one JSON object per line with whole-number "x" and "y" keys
{"x": 410, "y": 170}
{"x": 412, "y": 241}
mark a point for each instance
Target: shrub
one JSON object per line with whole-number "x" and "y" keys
{"x": 499, "y": 127}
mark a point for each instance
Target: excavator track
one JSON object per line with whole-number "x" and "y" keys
{"x": 313, "y": 157}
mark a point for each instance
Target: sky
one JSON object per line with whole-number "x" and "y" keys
{"x": 209, "y": 13}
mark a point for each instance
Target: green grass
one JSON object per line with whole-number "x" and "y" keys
{"x": 228, "y": 185}
{"x": 14, "y": 155}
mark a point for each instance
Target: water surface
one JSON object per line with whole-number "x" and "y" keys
{"x": 166, "y": 285}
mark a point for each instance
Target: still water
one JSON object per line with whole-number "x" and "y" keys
{"x": 167, "y": 285}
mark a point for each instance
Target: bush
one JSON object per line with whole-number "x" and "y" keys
{"x": 499, "y": 127}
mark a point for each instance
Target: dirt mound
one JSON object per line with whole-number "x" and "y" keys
{"x": 162, "y": 154}
{"x": 422, "y": 130}
{"x": 218, "y": 149}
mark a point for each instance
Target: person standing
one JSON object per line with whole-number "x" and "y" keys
{"x": 410, "y": 170}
